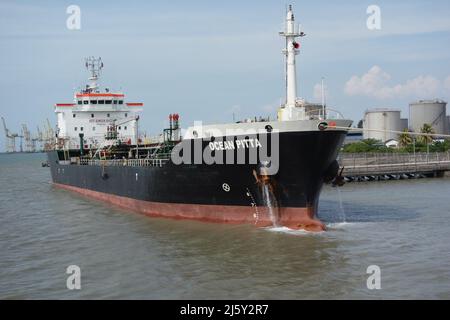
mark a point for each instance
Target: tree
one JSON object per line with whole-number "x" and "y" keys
{"x": 426, "y": 129}
{"x": 405, "y": 138}
{"x": 440, "y": 146}
{"x": 367, "y": 145}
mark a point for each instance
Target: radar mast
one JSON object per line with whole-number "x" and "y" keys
{"x": 94, "y": 66}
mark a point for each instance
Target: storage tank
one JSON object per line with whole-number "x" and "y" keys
{"x": 384, "y": 120}
{"x": 404, "y": 123}
{"x": 431, "y": 112}
{"x": 448, "y": 125}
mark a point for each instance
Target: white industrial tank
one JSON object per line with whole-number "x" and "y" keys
{"x": 379, "y": 122}
{"x": 448, "y": 125}
{"x": 431, "y": 112}
{"x": 404, "y": 123}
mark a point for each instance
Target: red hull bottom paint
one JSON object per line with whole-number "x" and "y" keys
{"x": 294, "y": 218}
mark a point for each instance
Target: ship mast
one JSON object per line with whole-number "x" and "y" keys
{"x": 94, "y": 66}
{"x": 291, "y": 112}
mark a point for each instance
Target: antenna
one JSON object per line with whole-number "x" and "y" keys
{"x": 323, "y": 100}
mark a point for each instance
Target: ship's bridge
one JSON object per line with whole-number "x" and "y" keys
{"x": 99, "y": 101}
{"x": 93, "y": 112}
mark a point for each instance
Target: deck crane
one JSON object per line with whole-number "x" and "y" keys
{"x": 112, "y": 135}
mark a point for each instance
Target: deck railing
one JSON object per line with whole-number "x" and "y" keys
{"x": 123, "y": 162}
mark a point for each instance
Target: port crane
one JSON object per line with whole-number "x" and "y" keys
{"x": 48, "y": 136}
{"x": 30, "y": 144}
{"x": 11, "y": 138}
{"x": 39, "y": 138}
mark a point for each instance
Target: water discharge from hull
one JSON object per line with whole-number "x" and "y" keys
{"x": 292, "y": 218}
{"x": 271, "y": 203}
{"x": 341, "y": 207}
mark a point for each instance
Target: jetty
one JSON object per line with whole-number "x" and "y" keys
{"x": 393, "y": 166}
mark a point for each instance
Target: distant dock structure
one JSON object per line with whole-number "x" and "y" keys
{"x": 393, "y": 166}
{"x": 27, "y": 141}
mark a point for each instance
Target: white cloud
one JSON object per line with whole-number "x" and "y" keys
{"x": 375, "y": 83}
{"x": 447, "y": 83}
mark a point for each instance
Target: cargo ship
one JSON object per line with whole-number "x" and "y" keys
{"x": 261, "y": 171}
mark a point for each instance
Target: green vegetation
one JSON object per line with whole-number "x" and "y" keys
{"x": 427, "y": 129}
{"x": 405, "y": 138}
{"x": 368, "y": 145}
{"x": 406, "y": 142}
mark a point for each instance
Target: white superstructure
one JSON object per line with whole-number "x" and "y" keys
{"x": 93, "y": 113}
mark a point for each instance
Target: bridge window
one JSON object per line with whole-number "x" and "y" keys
{"x": 93, "y": 101}
{"x": 108, "y": 101}
{"x": 86, "y": 102}
{"x": 115, "y": 102}
{"x": 101, "y": 101}
{"x": 120, "y": 101}
{"x": 80, "y": 102}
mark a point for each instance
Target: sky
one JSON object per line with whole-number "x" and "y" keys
{"x": 210, "y": 60}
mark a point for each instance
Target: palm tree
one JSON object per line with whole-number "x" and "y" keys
{"x": 426, "y": 129}
{"x": 405, "y": 138}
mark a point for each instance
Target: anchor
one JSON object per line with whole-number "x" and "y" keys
{"x": 339, "y": 180}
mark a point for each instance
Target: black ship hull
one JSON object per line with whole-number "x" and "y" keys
{"x": 227, "y": 193}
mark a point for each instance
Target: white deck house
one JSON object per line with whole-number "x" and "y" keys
{"x": 93, "y": 113}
